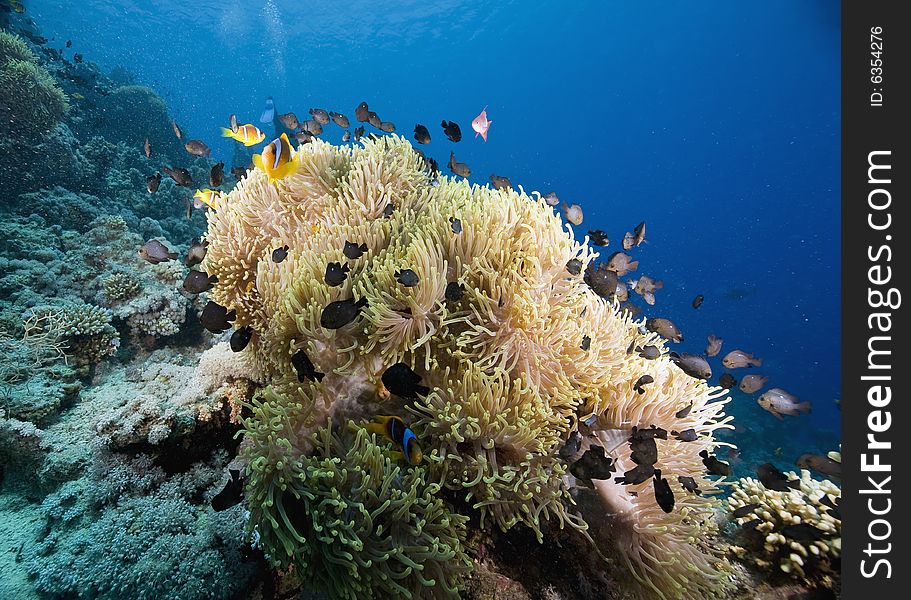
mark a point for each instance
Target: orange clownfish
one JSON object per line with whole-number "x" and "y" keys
{"x": 277, "y": 159}
{"x": 248, "y": 135}
{"x": 207, "y": 197}
{"x": 395, "y": 430}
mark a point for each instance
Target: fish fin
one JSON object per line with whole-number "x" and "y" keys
{"x": 757, "y": 362}
{"x": 258, "y": 162}
{"x": 396, "y": 455}
{"x": 804, "y": 407}
{"x": 777, "y": 415}
{"x": 378, "y": 428}
{"x": 484, "y": 135}
{"x": 283, "y": 171}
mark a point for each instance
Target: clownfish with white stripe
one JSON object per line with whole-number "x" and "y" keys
{"x": 277, "y": 159}
{"x": 207, "y": 197}
{"x": 248, "y": 135}
{"x": 395, "y": 430}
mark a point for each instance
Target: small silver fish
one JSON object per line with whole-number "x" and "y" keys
{"x": 714, "y": 346}
{"x": 779, "y": 402}
{"x": 750, "y": 384}
{"x": 738, "y": 359}
{"x": 573, "y": 213}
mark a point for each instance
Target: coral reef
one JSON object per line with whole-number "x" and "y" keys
{"x": 795, "y": 532}
{"x": 507, "y": 377}
{"x": 30, "y": 100}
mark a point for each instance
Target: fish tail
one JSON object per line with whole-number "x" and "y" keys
{"x": 225, "y": 132}
{"x": 804, "y": 407}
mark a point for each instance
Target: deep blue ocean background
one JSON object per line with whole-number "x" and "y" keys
{"x": 717, "y": 123}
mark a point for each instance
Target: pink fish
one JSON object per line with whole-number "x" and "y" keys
{"x": 480, "y": 124}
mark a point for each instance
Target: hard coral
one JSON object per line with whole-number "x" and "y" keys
{"x": 505, "y": 363}
{"x": 775, "y": 545}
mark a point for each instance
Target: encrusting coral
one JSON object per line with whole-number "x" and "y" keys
{"x": 796, "y": 532}
{"x": 509, "y": 374}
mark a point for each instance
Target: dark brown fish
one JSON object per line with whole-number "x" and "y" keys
{"x": 407, "y": 277}
{"x": 238, "y": 172}
{"x": 645, "y": 379}
{"x": 336, "y": 273}
{"x": 636, "y": 475}
{"x": 665, "y": 328}
{"x": 744, "y": 511}
{"x": 217, "y": 174}
{"x": 289, "y": 120}
{"x": 687, "y": 435}
{"x": 340, "y": 120}
{"x": 693, "y": 365}
{"x": 500, "y": 183}
{"x": 216, "y": 318}
{"x": 341, "y": 312}
{"x": 460, "y": 169}
{"x": 153, "y": 182}
{"x": 311, "y": 126}
{"x": 421, "y": 134}
{"x": 821, "y": 464}
{"x": 155, "y": 252}
{"x": 598, "y": 238}
{"x": 586, "y": 342}
{"x": 387, "y": 127}
{"x": 452, "y": 130}
{"x": 197, "y": 148}
{"x": 601, "y": 280}
{"x": 683, "y": 412}
{"x": 240, "y": 338}
{"x": 593, "y": 464}
{"x": 319, "y": 115}
{"x": 697, "y": 301}
{"x": 305, "y": 368}
{"x": 713, "y": 465}
{"x": 454, "y": 291}
{"x": 664, "y": 497}
{"x": 196, "y": 254}
{"x": 689, "y": 484}
{"x": 374, "y": 119}
{"x": 354, "y": 251}
{"x": 362, "y": 112}
{"x": 280, "y": 254}
{"x": 400, "y": 380}
{"x": 804, "y": 532}
{"x": 649, "y": 352}
{"x": 302, "y": 137}
{"x": 197, "y": 282}
{"x": 180, "y": 176}
{"x": 727, "y": 381}
{"x": 773, "y": 479}
{"x": 574, "y": 266}
{"x": 358, "y": 133}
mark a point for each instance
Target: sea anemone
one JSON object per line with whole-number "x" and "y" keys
{"x": 507, "y": 367}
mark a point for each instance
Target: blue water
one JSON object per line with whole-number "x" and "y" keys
{"x": 715, "y": 122}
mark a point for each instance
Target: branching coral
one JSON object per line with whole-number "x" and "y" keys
{"x": 351, "y": 518}
{"x": 121, "y": 286}
{"x": 507, "y": 363}
{"x": 798, "y": 531}
{"x": 81, "y": 331}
